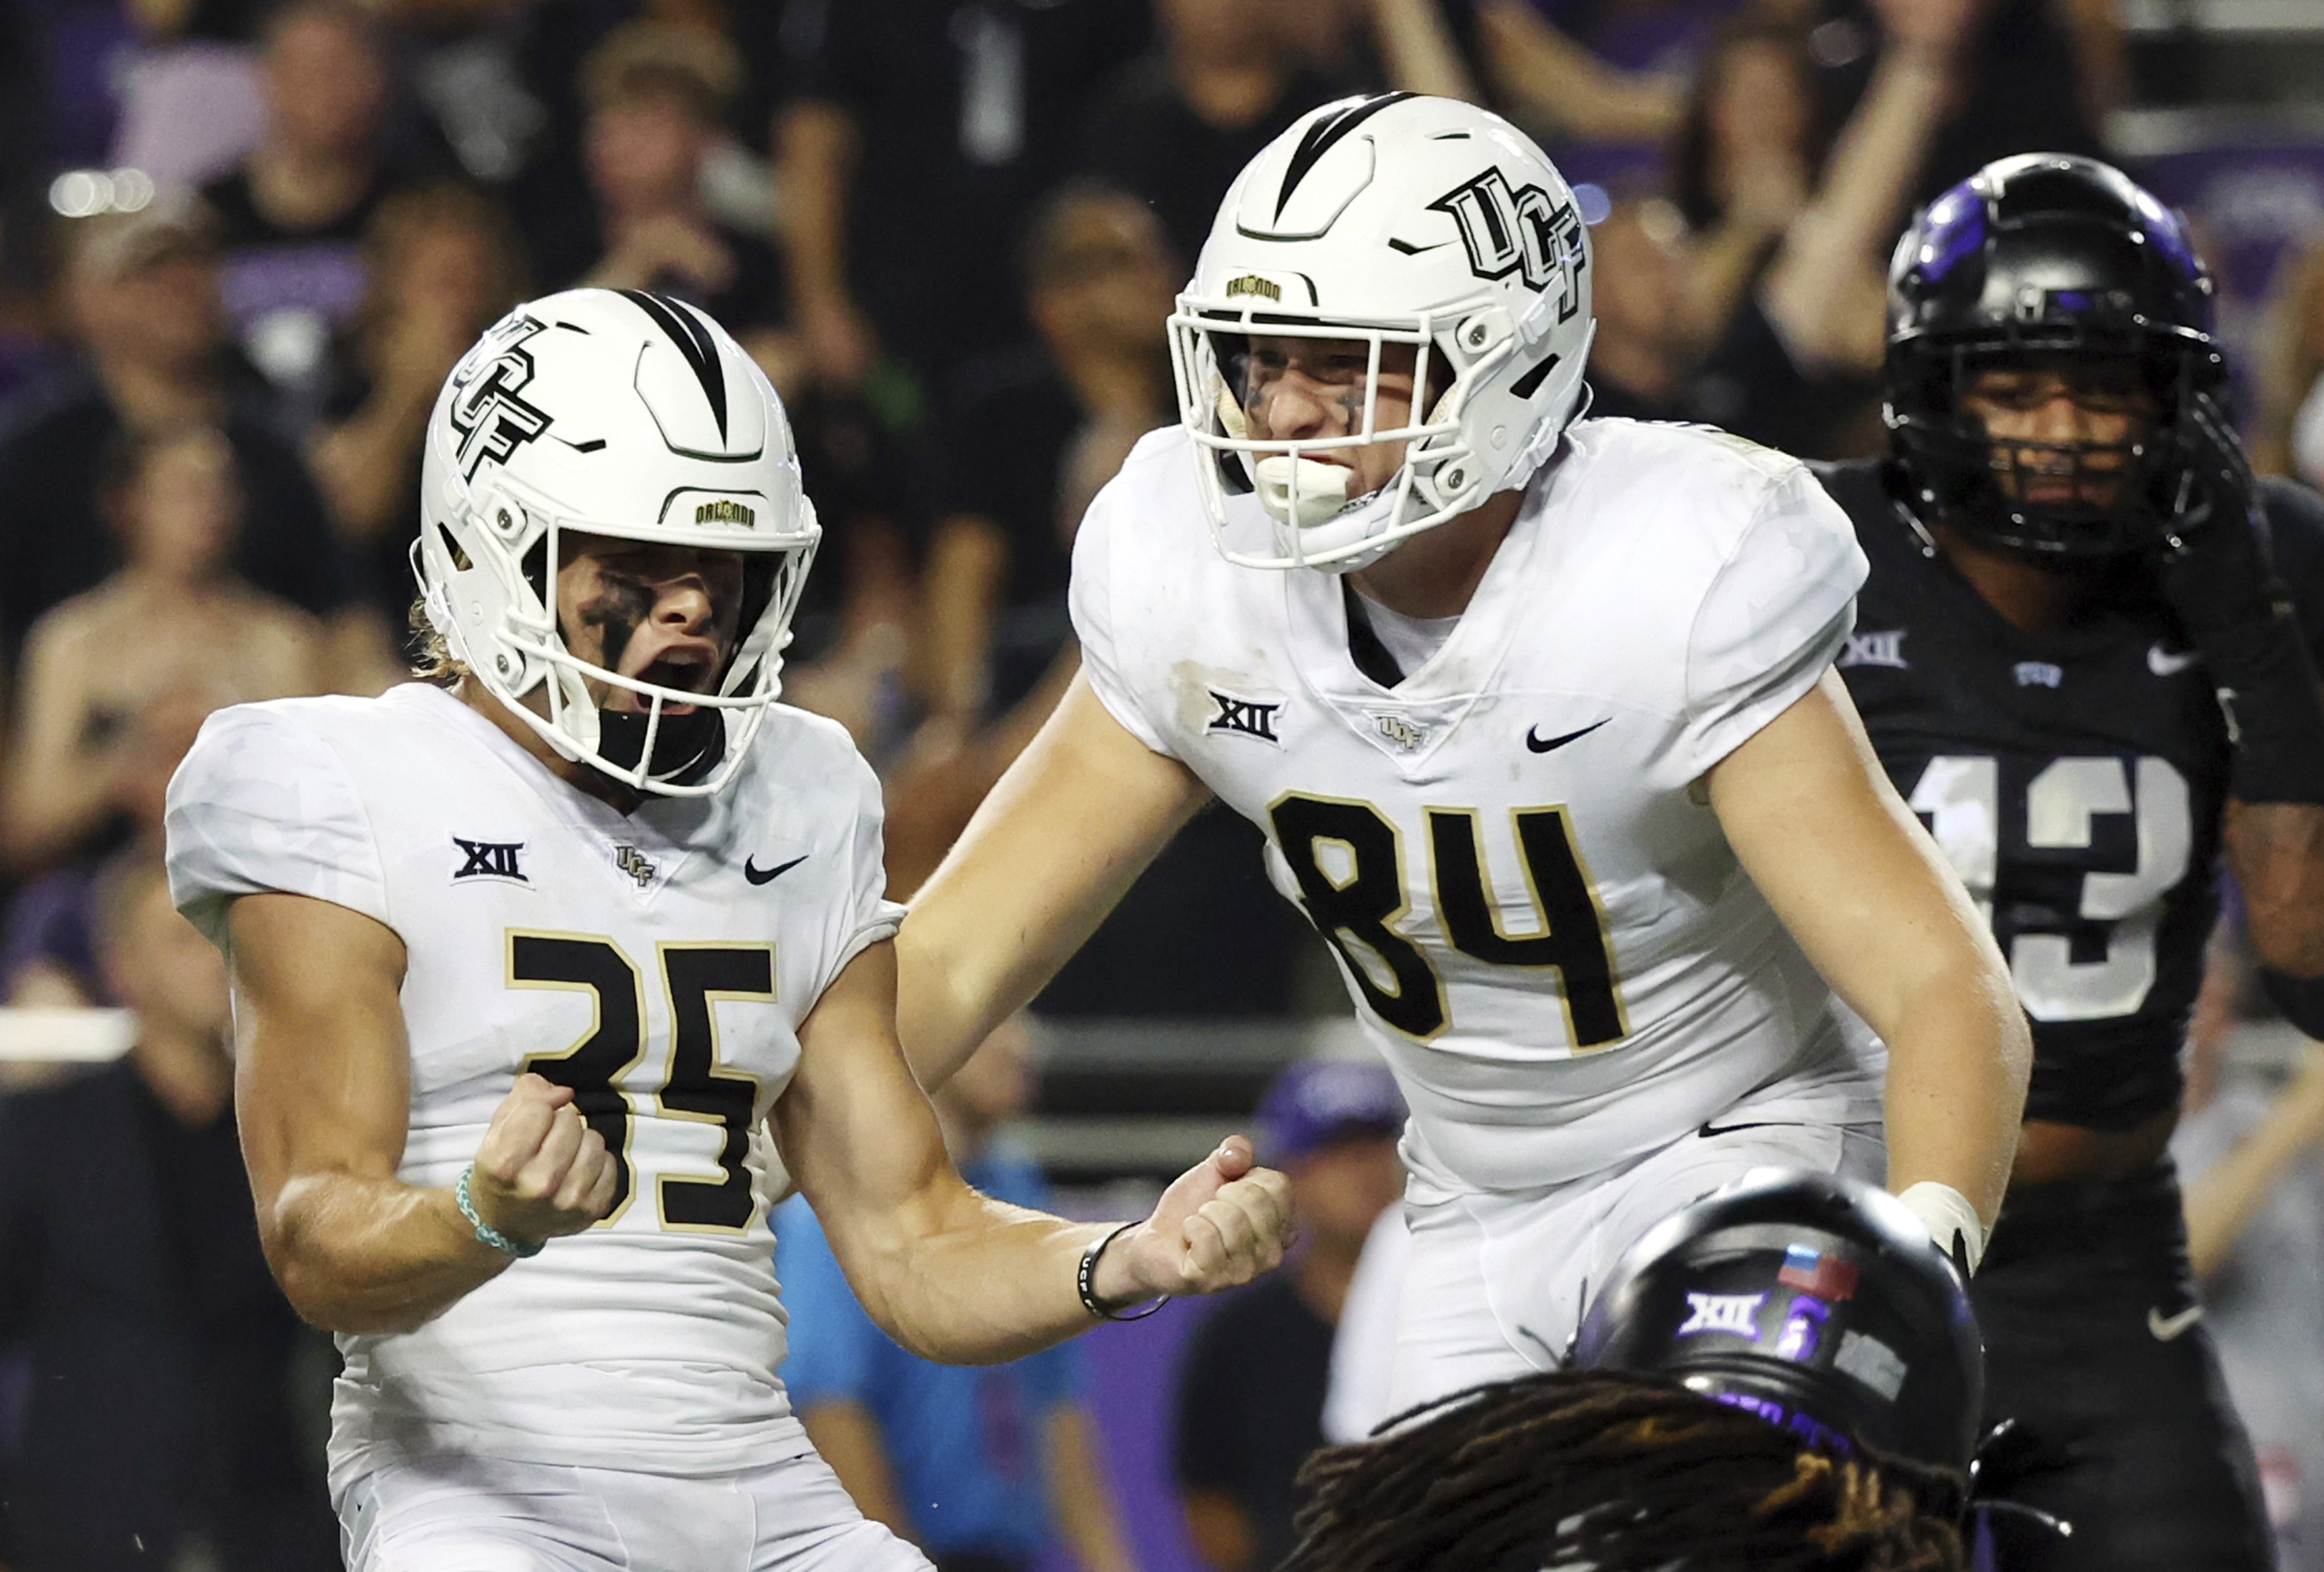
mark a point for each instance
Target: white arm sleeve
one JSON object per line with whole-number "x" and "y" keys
{"x": 1773, "y": 617}
{"x": 1091, "y": 601}
{"x": 261, "y": 804}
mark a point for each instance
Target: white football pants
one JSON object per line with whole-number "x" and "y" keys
{"x": 1490, "y": 1287}
{"x": 472, "y": 1515}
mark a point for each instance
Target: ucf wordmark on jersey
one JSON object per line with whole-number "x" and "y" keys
{"x": 1539, "y": 918}
{"x": 659, "y": 962}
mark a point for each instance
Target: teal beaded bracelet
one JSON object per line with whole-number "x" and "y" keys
{"x": 485, "y": 1230}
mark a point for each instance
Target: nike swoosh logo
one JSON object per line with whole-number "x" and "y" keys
{"x": 1709, "y": 1130}
{"x": 758, "y": 875}
{"x": 2166, "y": 1327}
{"x": 1543, "y": 745}
{"x": 1410, "y": 249}
{"x": 2165, "y": 662}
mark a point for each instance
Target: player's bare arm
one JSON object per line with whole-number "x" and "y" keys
{"x": 2276, "y": 850}
{"x": 1053, "y": 848}
{"x": 949, "y": 1274}
{"x": 1872, "y": 903}
{"x": 323, "y": 1093}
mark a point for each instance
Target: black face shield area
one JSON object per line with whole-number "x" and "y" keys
{"x": 2045, "y": 498}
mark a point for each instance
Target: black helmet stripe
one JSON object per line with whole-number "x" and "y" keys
{"x": 1323, "y": 135}
{"x": 694, "y": 342}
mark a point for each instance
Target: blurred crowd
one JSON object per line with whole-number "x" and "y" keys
{"x": 243, "y": 242}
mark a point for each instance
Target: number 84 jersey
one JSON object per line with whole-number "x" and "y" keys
{"x": 659, "y": 962}
{"x": 1537, "y": 916}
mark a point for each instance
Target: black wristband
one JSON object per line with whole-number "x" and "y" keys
{"x": 1086, "y": 1281}
{"x": 2268, "y": 693}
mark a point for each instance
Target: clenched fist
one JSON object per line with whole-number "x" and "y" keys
{"x": 1221, "y": 1223}
{"x": 541, "y": 1173}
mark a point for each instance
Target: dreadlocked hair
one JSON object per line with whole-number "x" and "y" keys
{"x": 1614, "y": 1472}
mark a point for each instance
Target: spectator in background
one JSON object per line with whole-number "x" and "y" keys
{"x": 1641, "y": 355}
{"x": 442, "y": 263}
{"x": 192, "y": 95}
{"x": 657, "y": 94}
{"x": 1175, "y": 127}
{"x": 1796, "y": 366}
{"x": 175, "y": 630}
{"x": 2290, "y": 356}
{"x": 1746, "y": 157}
{"x": 1024, "y": 440}
{"x": 1602, "y": 85}
{"x": 140, "y": 293}
{"x": 1027, "y": 438}
{"x": 2036, "y": 74}
{"x": 980, "y": 1466}
{"x": 1372, "y": 44}
{"x": 292, "y": 217}
{"x": 913, "y": 138}
{"x": 1028, "y": 430}
{"x": 1251, "y": 1393}
{"x": 160, "y": 1430}
{"x": 2253, "y": 1159}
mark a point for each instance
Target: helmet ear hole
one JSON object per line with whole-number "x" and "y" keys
{"x": 535, "y": 569}
{"x": 1526, "y": 385}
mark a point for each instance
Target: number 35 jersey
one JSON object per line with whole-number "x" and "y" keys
{"x": 2075, "y": 779}
{"x": 1540, "y": 921}
{"x": 659, "y": 962}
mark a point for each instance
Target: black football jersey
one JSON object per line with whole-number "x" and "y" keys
{"x": 2075, "y": 779}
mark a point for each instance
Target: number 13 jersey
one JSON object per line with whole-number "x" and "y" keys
{"x": 2075, "y": 778}
{"x": 659, "y": 963}
{"x": 1541, "y": 922}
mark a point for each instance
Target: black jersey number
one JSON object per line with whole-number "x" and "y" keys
{"x": 694, "y": 978}
{"x": 1356, "y": 901}
{"x": 1960, "y": 796}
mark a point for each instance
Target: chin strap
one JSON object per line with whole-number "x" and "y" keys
{"x": 686, "y": 747}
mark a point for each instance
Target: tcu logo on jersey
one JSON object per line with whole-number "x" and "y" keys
{"x": 492, "y": 420}
{"x": 1518, "y": 231}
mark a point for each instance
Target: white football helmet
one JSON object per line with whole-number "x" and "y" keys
{"x": 611, "y": 412}
{"x": 1394, "y": 219}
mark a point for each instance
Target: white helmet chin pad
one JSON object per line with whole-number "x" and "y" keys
{"x": 624, "y": 414}
{"x": 1393, "y": 220}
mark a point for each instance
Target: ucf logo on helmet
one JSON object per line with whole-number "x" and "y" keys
{"x": 1518, "y": 230}
{"x": 493, "y": 421}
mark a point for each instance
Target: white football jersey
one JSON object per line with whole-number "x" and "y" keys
{"x": 1544, "y": 930}
{"x": 659, "y": 963}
